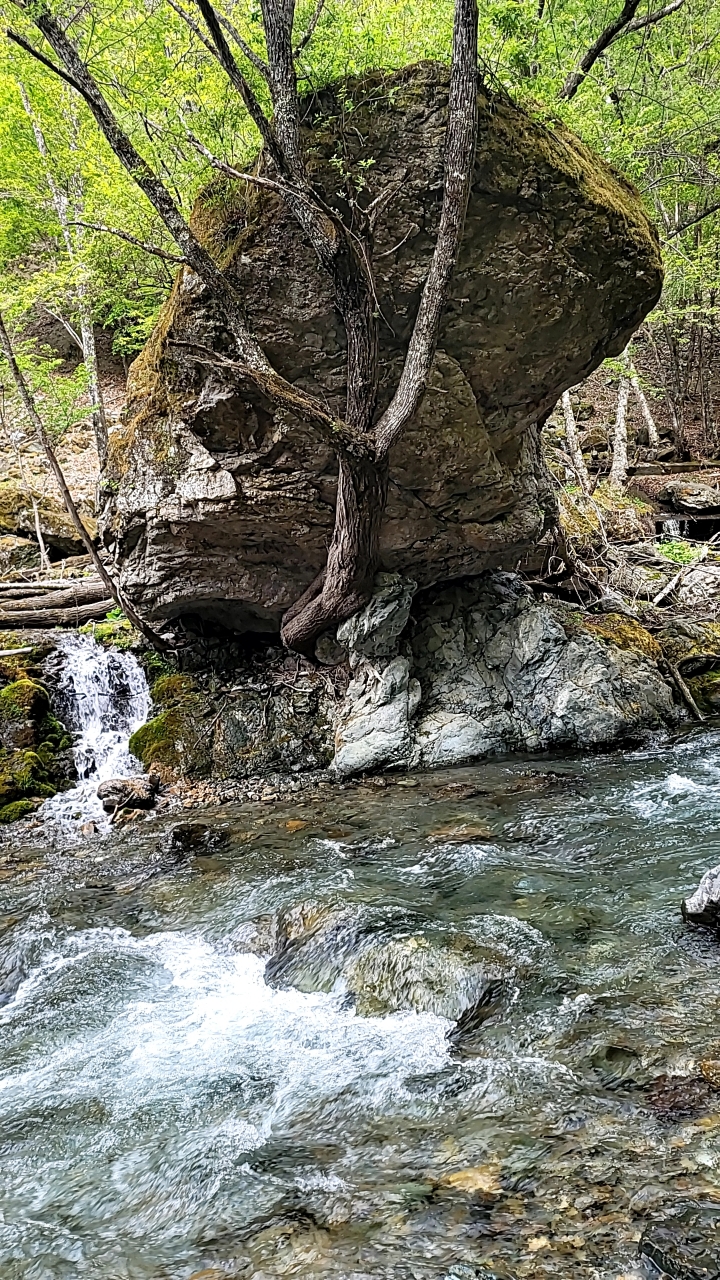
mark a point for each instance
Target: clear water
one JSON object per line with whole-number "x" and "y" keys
{"x": 103, "y": 697}
{"x": 165, "y": 1111}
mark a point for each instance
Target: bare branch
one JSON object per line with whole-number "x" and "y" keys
{"x": 194, "y": 27}
{"x": 65, "y": 324}
{"x": 35, "y": 53}
{"x": 339, "y": 434}
{"x": 238, "y": 80}
{"x": 258, "y": 180}
{"x": 606, "y": 37}
{"x": 310, "y": 30}
{"x": 250, "y": 54}
{"x": 691, "y": 222}
{"x": 125, "y": 235}
{"x": 460, "y": 141}
{"x": 638, "y": 24}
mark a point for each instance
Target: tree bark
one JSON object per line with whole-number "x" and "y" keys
{"x": 347, "y": 582}
{"x": 573, "y": 444}
{"x": 618, "y": 472}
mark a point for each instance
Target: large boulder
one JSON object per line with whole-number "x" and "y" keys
{"x": 486, "y": 669}
{"x": 223, "y": 508}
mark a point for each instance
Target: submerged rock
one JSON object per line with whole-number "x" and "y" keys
{"x": 376, "y": 957}
{"x": 703, "y": 906}
{"x": 128, "y": 793}
{"x": 190, "y": 839}
{"x": 221, "y": 507}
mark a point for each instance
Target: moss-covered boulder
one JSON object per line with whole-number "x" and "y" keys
{"x": 223, "y": 509}
{"x": 17, "y": 516}
{"x": 251, "y": 729}
{"x": 35, "y": 747}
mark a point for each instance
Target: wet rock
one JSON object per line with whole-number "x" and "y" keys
{"x": 691, "y": 1257}
{"x": 691, "y": 496}
{"x": 618, "y": 1066}
{"x": 703, "y": 906}
{"x": 258, "y": 937}
{"x": 675, "y": 1098}
{"x": 382, "y": 963}
{"x": 128, "y": 793}
{"x": 466, "y": 1036}
{"x": 192, "y": 839}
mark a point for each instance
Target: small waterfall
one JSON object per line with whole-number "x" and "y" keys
{"x": 671, "y": 529}
{"x": 103, "y": 697}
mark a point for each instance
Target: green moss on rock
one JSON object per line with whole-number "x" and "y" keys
{"x": 625, "y": 633}
{"x": 18, "y": 809}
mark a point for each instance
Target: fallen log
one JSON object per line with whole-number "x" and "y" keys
{"x": 55, "y": 617}
{"x": 78, "y": 594}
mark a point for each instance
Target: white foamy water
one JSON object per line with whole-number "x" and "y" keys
{"x": 104, "y": 698}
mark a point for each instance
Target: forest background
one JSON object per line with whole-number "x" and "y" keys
{"x": 639, "y": 84}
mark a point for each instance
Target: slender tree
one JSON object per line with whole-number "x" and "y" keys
{"x": 573, "y": 444}
{"x": 361, "y": 441}
{"x": 29, "y": 405}
{"x": 69, "y": 209}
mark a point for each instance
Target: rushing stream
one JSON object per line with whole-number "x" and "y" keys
{"x": 170, "y": 1106}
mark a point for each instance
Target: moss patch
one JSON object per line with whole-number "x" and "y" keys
{"x": 705, "y": 690}
{"x": 179, "y": 738}
{"x": 625, "y": 633}
{"x": 18, "y": 809}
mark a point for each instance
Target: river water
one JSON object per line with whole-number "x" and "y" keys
{"x": 170, "y": 1106}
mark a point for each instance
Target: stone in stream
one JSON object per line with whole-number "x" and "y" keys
{"x": 128, "y": 793}
{"x": 703, "y": 906}
{"x": 190, "y": 839}
{"x": 680, "y": 1256}
{"x": 381, "y": 957}
{"x": 466, "y": 1036}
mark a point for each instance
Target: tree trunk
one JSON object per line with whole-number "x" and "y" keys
{"x": 650, "y": 423}
{"x": 618, "y": 472}
{"x": 346, "y": 585}
{"x": 573, "y": 444}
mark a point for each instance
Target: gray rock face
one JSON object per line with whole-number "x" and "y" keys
{"x": 485, "y": 669}
{"x": 222, "y": 506}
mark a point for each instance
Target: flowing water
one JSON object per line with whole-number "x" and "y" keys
{"x": 172, "y": 1102}
{"x": 103, "y": 697}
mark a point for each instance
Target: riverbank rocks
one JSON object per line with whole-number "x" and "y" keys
{"x": 221, "y": 506}
{"x": 128, "y": 793}
{"x": 494, "y": 671}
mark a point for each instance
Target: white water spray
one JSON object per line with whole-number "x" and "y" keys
{"x": 104, "y": 698}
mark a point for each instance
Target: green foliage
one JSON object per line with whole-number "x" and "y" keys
{"x": 679, "y": 551}
{"x": 649, "y": 106}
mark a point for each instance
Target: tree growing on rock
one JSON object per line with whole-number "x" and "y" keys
{"x": 342, "y": 239}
